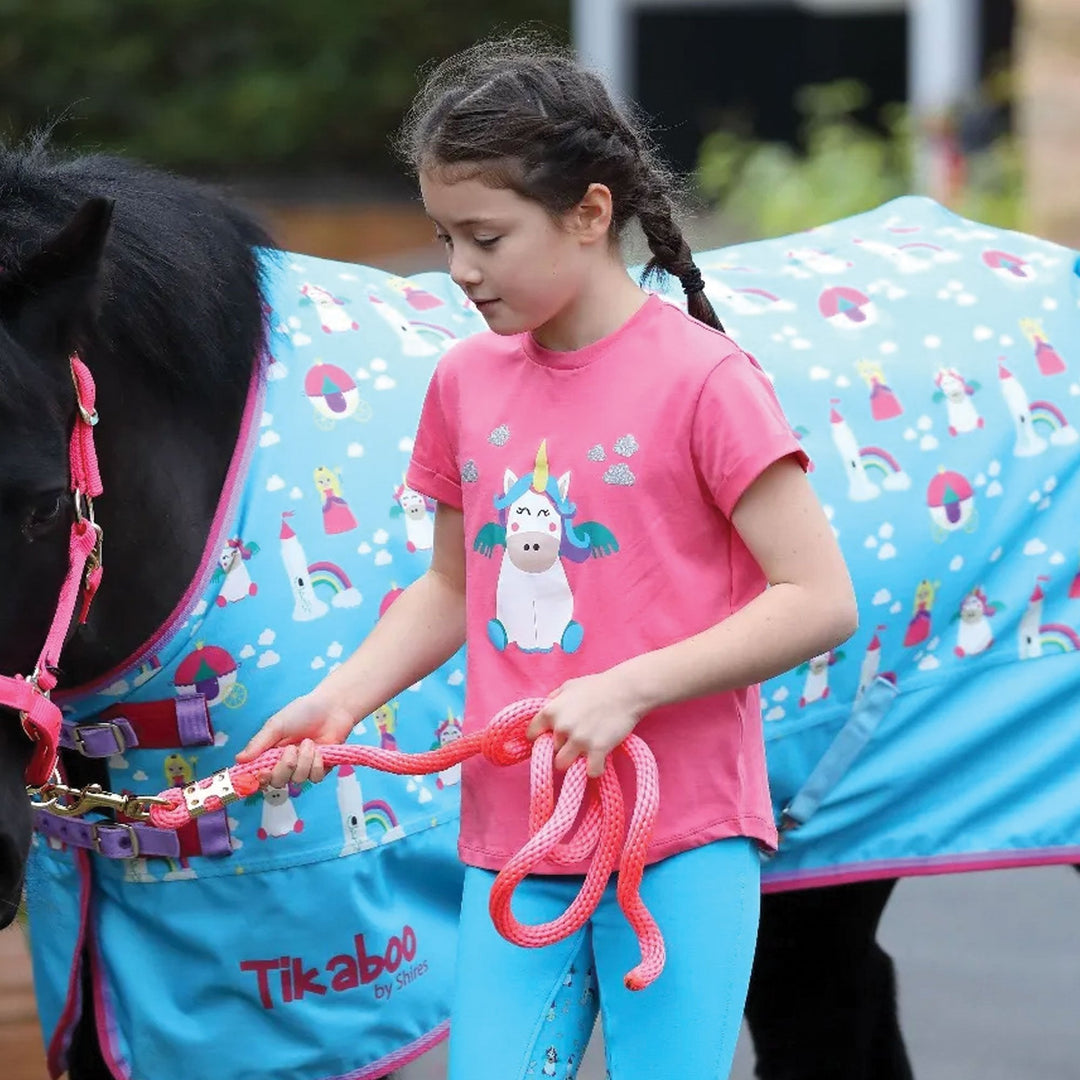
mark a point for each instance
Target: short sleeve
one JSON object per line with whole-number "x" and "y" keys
{"x": 433, "y": 469}
{"x": 739, "y": 430}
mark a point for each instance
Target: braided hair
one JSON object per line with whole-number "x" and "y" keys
{"x": 522, "y": 114}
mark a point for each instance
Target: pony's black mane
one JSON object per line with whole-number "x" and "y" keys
{"x": 180, "y": 284}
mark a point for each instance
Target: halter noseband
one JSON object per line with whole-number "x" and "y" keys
{"x": 30, "y": 695}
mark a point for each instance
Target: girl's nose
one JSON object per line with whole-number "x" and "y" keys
{"x": 462, "y": 272}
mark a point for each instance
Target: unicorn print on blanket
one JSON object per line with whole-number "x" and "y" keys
{"x": 279, "y": 816}
{"x": 534, "y": 606}
{"x": 816, "y": 670}
{"x": 975, "y": 634}
{"x": 236, "y": 583}
{"x": 331, "y": 311}
{"x": 418, "y": 511}
{"x": 956, "y": 392}
{"x": 447, "y": 732}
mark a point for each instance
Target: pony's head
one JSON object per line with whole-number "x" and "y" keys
{"x": 47, "y": 305}
{"x": 48, "y": 299}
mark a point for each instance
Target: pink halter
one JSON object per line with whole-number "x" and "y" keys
{"x": 29, "y": 695}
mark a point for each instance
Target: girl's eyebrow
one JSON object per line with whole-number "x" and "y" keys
{"x": 467, "y": 223}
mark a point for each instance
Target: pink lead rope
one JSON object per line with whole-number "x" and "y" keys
{"x": 503, "y": 742}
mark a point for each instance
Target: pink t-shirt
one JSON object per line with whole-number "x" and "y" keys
{"x": 597, "y": 488}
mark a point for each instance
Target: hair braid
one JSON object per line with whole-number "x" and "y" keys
{"x": 672, "y": 254}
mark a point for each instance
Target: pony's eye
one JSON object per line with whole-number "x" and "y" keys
{"x": 42, "y": 514}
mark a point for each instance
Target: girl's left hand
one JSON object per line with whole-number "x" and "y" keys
{"x": 589, "y": 717}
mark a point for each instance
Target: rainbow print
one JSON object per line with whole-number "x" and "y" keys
{"x": 876, "y": 459}
{"x": 1047, "y": 414}
{"x": 772, "y": 298}
{"x": 1058, "y": 638}
{"x": 440, "y": 333}
{"x": 923, "y": 245}
{"x": 147, "y": 669}
{"x": 330, "y": 576}
{"x": 379, "y": 818}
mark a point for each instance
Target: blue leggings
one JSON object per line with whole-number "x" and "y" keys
{"x": 521, "y": 1013}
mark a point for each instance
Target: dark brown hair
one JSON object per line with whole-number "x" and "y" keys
{"x": 531, "y": 119}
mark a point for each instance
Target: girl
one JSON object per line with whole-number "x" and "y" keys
{"x": 616, "y": 486}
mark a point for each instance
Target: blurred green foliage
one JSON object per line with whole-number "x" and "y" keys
{"x": 846, "y": 167}
{"x": 238, "y": 86}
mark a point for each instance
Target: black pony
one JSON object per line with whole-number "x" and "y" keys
{"x": 153, "y": 280}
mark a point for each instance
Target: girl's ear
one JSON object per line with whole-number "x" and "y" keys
{"x": 590, "y": 220}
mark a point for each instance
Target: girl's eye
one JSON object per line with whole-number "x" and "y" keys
{"x": 487, "y": 242}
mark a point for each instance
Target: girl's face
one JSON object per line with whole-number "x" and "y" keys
{"x": 521, "y": 267}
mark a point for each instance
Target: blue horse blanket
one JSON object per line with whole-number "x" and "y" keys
{"x": 931, "y": 367}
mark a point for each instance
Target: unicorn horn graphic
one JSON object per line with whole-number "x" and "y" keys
{"x": 540, "y": 471}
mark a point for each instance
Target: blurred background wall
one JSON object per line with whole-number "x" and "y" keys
{"x": 788, "y": 112}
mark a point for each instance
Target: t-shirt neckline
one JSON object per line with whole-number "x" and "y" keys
{"x": 579, "y": 358}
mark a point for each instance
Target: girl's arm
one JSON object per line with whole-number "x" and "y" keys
{"x": 808, "y": 609}
{"x": 420, "y": 630}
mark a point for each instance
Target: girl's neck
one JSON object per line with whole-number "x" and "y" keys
{"x": 607, "y": 300}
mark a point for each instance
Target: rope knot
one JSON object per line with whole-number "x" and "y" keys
{"x": 503, "y": 741}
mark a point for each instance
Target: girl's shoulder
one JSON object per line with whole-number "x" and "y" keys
{"x": 700, "y": 348}
{"x": 468, "y": 352}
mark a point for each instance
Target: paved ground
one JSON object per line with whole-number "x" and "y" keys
{"x": 989, "y": 970}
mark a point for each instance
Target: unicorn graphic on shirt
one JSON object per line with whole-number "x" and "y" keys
{"x": 534, "y": 605}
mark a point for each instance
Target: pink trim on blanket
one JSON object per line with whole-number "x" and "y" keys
{"x": 60, "y": 1044}
{"x": 105, "y": 1019}
{"x": 920, "y": 867}
{"x": 226, "y": 510}
{"x": 400, "y": 1058}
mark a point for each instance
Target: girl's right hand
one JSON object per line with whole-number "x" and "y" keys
{"x": 298, "y": 728}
